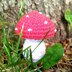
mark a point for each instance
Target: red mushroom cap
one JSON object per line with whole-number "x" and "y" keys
{"x": 35, "y": 25}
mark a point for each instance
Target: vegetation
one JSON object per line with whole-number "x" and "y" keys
{"x": 68, "y": 17}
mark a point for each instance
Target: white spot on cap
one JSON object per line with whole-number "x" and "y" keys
{"x": 55, "y": 30}
{"x": 45, "y": 22}
{"x": 16, "y": 28}
{"x": 29, "y": 29}
{"x": 40, "y": 12}
{"x": 27, "y": 15}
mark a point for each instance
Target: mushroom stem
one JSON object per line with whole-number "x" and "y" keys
{"x": 37, "y": 53}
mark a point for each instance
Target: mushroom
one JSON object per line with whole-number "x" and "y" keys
{"x": 35, "y": 26}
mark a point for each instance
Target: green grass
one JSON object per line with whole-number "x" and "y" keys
{"x": 21, "y": 9}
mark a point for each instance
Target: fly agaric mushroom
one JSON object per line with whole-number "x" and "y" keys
{"x": 34, "y": 27}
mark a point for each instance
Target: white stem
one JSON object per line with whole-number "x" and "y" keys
{"x": 39, "y": 52}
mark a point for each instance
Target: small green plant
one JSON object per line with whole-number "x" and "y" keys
{"x": 53, "y": 55}
{"x": 68, "y": 17}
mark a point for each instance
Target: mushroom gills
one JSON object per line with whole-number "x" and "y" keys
{"x": 37, "y": 53}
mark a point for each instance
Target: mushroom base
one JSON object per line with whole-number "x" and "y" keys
{"x": 37, "y": 53}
